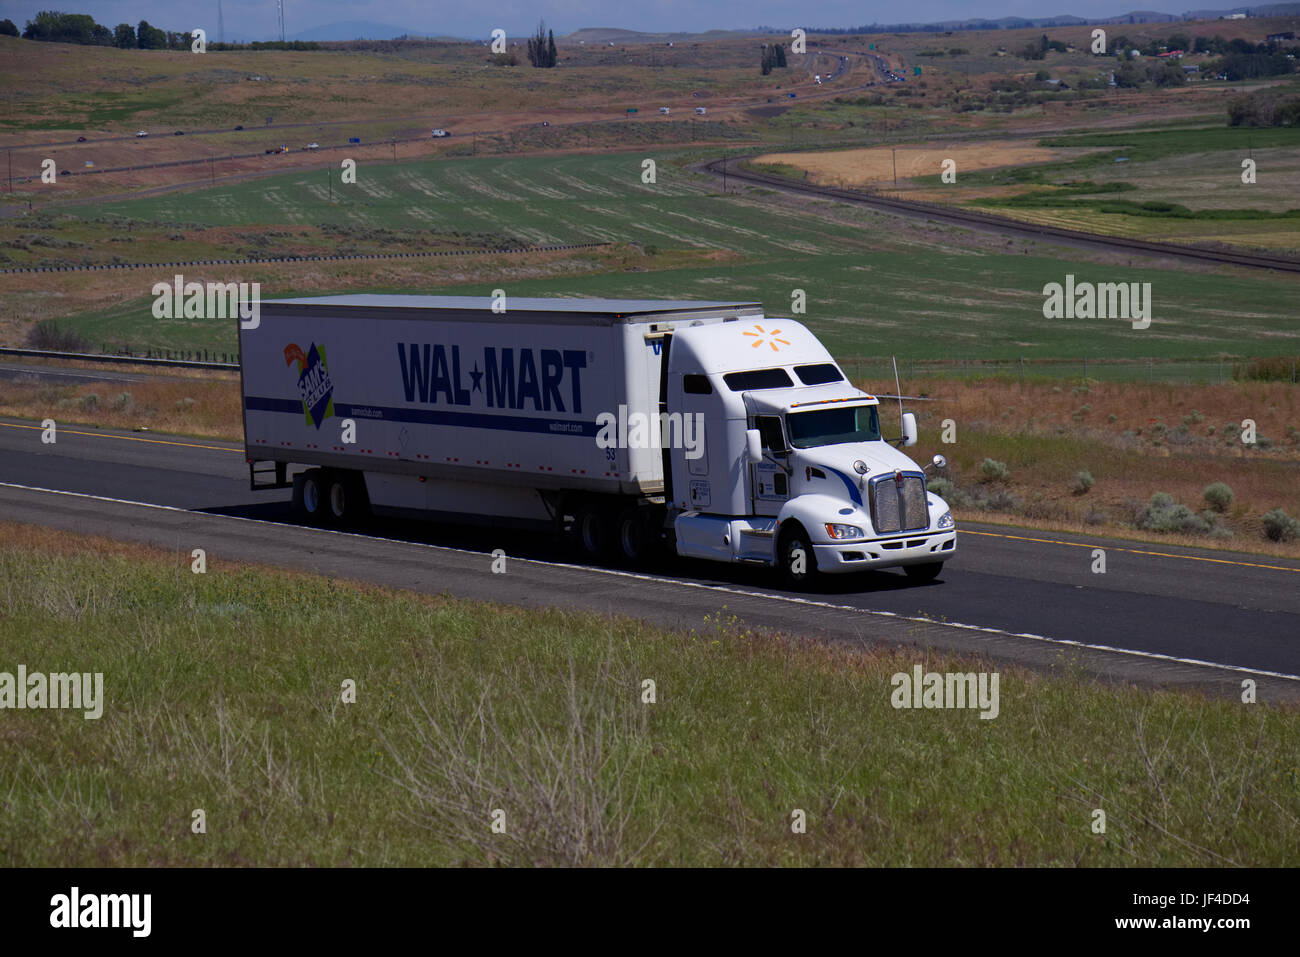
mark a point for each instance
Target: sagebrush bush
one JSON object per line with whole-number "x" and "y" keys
{"x": 1280, "y": 527}
{"x": 1163, "y": 514}
{"x": 1082, "y": 482}
{"x": 1218, "y": 496}
{"x": 994, "y": 471}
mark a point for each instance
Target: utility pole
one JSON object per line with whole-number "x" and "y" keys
{"x": 724, "y": 172}
{"x": 329, "y": 176}
{"x": 11, "y": 172}
{"x": 893, "y": 153}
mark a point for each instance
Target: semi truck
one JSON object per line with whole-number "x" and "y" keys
{"x": 706, "y": 429}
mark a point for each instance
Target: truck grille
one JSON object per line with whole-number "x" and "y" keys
{"x": 899, "y": 506}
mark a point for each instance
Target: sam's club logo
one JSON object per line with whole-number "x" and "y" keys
{"x": 314, "y": 383}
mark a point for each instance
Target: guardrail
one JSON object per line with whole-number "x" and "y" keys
{"x": 306, "y": 259}
{"x": 124, "y": 360}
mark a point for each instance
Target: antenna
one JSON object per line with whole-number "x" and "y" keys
{"x": 898, "y": 391}
{"x": 279, "y": 9}
{"x": 221, "y": 25}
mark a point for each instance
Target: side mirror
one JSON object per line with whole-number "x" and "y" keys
{"x": 939, "y": 461}
{"x": 754, "y": 446}
{"x": 909, "y": 428}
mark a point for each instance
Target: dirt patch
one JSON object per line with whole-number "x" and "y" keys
{"x": 858, "y": 167}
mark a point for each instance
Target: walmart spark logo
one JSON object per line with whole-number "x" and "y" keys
{"x": 314, "y": 383}
{"x": 761, "y": 336}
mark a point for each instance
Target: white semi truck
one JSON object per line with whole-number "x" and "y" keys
{"x": 627, "y": 425}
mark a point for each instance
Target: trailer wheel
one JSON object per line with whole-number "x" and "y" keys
{"x": 794, "y": 556}
{"x": 633, "y": 539}
{"x": 309, "y": 495}
{"x": 924, "y": 573}
{"x": 592, "y": 532}
{"x": 346, "y": 502}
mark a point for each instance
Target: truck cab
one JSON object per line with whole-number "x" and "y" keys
{"x": 793, "y": 470}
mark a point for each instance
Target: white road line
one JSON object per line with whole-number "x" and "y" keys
{"x": 790, "y": 599}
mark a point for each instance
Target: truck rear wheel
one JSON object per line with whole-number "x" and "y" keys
{"x": 593, "y": 533}
{"x": 633, "y": 537}
{"x": 794, "y": 556}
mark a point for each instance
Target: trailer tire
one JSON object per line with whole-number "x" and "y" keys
{"x": 797, "y": 571}
{"x": 309, "y": 495}
{"x": 632, "y": 537}
{"x": 593, "y": 532}
{"x": 923, "y": 573}
{"x": 345, "y": 501}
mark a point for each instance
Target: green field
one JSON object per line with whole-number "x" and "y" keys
{"x": 874, "y": 285}
{"x": 224, "y": 692}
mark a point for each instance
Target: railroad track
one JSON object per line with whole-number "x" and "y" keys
{"x": 989, "y": 221}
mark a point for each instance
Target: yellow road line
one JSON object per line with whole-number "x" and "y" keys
{"x": 1134, "y": 551}
{"x": 127, "y": 438}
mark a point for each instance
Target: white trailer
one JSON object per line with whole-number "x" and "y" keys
{"x": 628, "y": 425}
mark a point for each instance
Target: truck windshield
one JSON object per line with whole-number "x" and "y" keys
{"x": 851, "y": 423}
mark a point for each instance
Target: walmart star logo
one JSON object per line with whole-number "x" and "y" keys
{"x": 760, "y": 336}
{"x": 476, "y": 378}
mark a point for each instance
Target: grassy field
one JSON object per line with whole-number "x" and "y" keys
{"x": 223, "y": 692}
{"x": 873, "y": 286}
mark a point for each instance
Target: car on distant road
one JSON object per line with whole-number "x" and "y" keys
{"x": 439, "y": 134}
{"x": 238, "y": 127}
{"x": 312, "y": 146}
{"x": 64, "y": 172}
{"x": 664, "y": 110}
{"x": 81, "y": 139}
{"x": 179, "y": 133}
{"x": 700, "y": 111}
{"x": 141, "y": 133}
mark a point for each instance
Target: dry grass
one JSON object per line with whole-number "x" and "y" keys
{"x": 859, "y": 167}
{"x": 207, "y": 407}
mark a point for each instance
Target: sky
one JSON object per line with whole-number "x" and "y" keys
{"x": 256, "y": 19}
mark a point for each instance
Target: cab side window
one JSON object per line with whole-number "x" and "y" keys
{"x": 769, "y": 427}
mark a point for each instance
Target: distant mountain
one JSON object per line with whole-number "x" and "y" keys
{"x": 355, "y": 30}
{"x": 1061, "y": 20}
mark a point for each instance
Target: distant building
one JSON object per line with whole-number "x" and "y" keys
{"x": 1279, "y": 37}
{"x": 1192, "y": 69}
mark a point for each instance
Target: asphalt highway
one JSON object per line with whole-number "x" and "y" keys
{"x": 1160, "y": 614}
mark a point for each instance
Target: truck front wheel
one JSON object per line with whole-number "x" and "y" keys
{"x": 924, "y": 573}
{"x": 794, "y": 556}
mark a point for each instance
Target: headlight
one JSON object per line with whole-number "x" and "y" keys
{"x": 842, "y": 532}
{"x": 945, "y": 520}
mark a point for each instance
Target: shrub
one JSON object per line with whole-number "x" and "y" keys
{"x": 941, "y": 487}
{"x": 1082, "y": 482}
{"x": 50, "y": 336}
{"x": 90, "y": 402}
{"x": 121, "y": 402}
{"x": 994, "y": 471}
{"x": 1280, "y": 527}
{"x": 1002, "y": 501}
{"x": 1218, "y": 496}
{"x": 1163, "y": 514}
